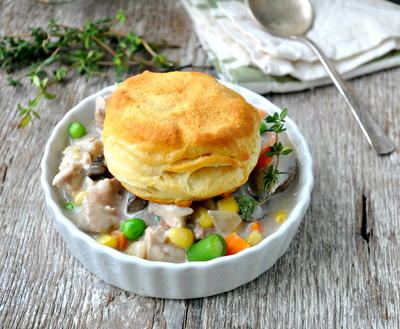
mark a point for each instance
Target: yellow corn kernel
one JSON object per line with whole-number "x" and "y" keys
{"x": 280, "y": 216}
{"x": 202, "y": 217}
{"x": 107, "y": 240}
{"x": 254, "y": 238}
{"x": 181, "y": 237}
{"x": 228, "y": 204}
{"x": 78, "y": 200}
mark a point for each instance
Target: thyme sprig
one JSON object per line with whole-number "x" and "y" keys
{"x": 277, "y": 126}
{"x": 273, "y": 123}
{"x": 88, "y": 51}
{"x": 247, "y": 204}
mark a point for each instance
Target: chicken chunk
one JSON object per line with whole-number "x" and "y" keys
{"x": 91, "y": 145}
{"x": 100, "y": 112}
{"x": 198, "y": 231}
{"x": 100, "y": 211}
{"x": 155, "y": 235}
{"x": 158, "y": 249}
{"x": 76, "y": 159}
{"x": 70, "y": 178}
{"x": 173, "y": 216}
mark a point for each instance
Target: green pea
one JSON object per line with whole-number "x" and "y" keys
{"x": 76, "y": 130}
{"x": 133, "y": 228}
{"x": 263, "y": 128}
{"x": 69, "y": 206}
{"x": 212, "y": 246}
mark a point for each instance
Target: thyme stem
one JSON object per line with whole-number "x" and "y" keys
{"x": 89, "y": 50}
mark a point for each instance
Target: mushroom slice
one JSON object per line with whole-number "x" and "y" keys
{"x": 135, "y": 204}
{"x": 98, "y": 168}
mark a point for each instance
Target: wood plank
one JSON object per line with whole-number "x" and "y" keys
{"x": 342, "y": 269}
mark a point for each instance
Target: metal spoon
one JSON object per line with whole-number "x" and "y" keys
{"x": 292, "y": 19}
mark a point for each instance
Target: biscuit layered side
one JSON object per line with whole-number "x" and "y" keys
{"x": 180, "y": 136}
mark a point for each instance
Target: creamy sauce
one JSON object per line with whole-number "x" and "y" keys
{"x": 266, "y": 214}
{"x": 277, "y": 203}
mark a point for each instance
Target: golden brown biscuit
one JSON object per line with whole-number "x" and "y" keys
{"x": 179, "y": 136}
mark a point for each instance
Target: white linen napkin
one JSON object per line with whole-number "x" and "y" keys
{"x": 358, "y": 36}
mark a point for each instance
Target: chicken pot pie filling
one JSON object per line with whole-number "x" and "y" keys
{"x": 203, "y": 230}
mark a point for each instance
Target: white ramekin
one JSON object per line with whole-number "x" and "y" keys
{"x": 162, "y": 279}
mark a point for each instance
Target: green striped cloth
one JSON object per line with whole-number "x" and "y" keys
{"x": 243, "y": 53}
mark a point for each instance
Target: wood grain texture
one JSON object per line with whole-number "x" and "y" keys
{"x": 341, "y": 271}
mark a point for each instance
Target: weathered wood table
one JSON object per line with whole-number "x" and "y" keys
{"x": 341, "y": 271}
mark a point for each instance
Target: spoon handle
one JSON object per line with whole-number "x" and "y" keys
{"x": 375, "y": 136}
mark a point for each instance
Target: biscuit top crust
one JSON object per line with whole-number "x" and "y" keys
{"x": 179, "y": 115}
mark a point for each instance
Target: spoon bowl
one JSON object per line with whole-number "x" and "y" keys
{"x": 292, "y": 19}
{"x": 284, "y": 18}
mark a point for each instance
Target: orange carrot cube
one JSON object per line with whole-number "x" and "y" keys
{"x": 235, "y": 244}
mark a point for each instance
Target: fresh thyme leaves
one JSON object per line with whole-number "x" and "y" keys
{"x": 270, "y": 178}
{"x": 88, "y": 51}
{"x": 276, "y": 123}
{"x": 246, "y": 204}
{"x": 277, "y": 120}
{"x": 277, "y": 149}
